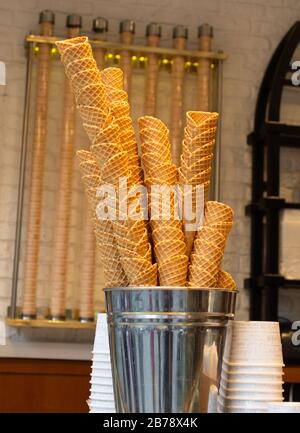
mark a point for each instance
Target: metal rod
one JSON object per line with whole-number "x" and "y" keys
{"x": 21, "y": 186}
{"x": 193, "y": 54}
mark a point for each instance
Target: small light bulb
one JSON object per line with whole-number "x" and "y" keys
{"x": 142, "y": 59}
{"x": 36, "y": 49}
{"x": 110, "y": 56}
{"x": 134, "y": 58}
{"x": 117, "y": 56}
{"x": 53, "y": 50}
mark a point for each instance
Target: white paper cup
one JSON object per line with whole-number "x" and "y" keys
{"x": 101, "y": 365}
{"x": 284, "y": 407}
{"x": 102, "y": 404}
{"x": 103, "y": 389}
{"x": 99, "y": 396}
{"x": 260, "y": 378}
{"x": 100, "y": 351}
{"x": 101, "y": 357}
{"x": 102, "y": 411}
{"x": 252, "y": 394}
{"x": 236, "y": 385}
{"x": 247, "y": 401}
{"x": 96, "y": 380}
{"x": 237, "y": 409}
{"x": 253, "y": 343}
{"x": 251, "y": 369}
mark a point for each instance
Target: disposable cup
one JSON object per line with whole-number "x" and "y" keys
{"x": 101, "y": 357}
{"x": 101, "y": 365}
{"x": 103, "y": 389}
{"x": 99, "y": 396}
{"x": 102, "y": 411}
{"x": 246, "y": 401}
{"x": 102, "y": 404}
{"x": 251, "y": 369}
{"x": 237, "y": 409}
{"x": 255, "y": 377}
{"x": 253, "y": 343}
{"x": 235, "y": 385}
{"x": 269, "y": 395}
{"x": 96, "y": 380}
{"x": 284, "y": 407}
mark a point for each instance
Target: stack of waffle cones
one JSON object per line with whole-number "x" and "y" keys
{"x": 196, "y": 160}
{"x": 167, "y": 234}
{"x": 97, "y": 95}
{"x": 123, "y": 240}
{"x": 107, "y": 251}
{"x": 209, "y": 245}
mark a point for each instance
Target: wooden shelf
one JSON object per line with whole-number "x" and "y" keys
{"x": 44, "y": 323}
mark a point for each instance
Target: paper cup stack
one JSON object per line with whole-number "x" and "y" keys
{"x": 101, "y": 393}
{"x": 288, "y": 407}
{"x": 252, "y": 367}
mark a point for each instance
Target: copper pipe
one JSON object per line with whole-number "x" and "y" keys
{"x": 100, "y": 27}
{"x": 32, "y": 248}
{"x": 153, "y": 33}
{"x": 205, "y": 34}
{"x": 180, "y": 35}
{"x": 64, "y": 199}
{"x": 87, "y": 271}
{"x": 127, "y": 29}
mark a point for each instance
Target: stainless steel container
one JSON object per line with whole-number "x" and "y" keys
{"x": 166, "y": 347}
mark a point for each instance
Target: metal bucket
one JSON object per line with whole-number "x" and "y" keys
{"x": 166, "y": 347}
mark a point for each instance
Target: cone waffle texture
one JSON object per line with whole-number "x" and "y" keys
{"x": 196, "y": 160}
{"x": 106, "y": 244}
{"x": 209, "y": 246}
{"x": 123, "y": 241}
{"x": 103, "y": 107}
{"x": 169, "y": 246}
{"x": 225, "y": 281}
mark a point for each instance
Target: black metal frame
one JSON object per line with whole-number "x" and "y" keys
{"x": 268, "y": 137}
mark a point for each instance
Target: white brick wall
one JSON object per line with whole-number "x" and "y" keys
{"x": 248, "y": 30}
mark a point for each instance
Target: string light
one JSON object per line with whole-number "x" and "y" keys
{"x": 212, "y": 65}
{"x": 196, "y": 64}
{"x": 134, "y": 58}
{"x": 142, "y": 59}
{"x": 117, "y": 56}
{"x": 110, "y": 56}
{"x": 53, "y": 50}
{"x": 165, "y": 61}
{"x": 36, "y": 49}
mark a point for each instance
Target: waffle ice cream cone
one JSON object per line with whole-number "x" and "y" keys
{"x": 75, "y": 52}
{"x": 104, "y": 152}
{"x": 115, "y": 168}
{"x": 113, "y": 77}
{"x": 152, "y": 122}
{"x": 225, "y": 281}
{"x": 199, "y": 277}
{"x": 89, "y": 167}
{"x": 147, "y": 278}
{"x": 120, "y": 109}
{"x": 84, "y": 155}
{"x": 210, "y": 234}
{"x": 79, "y": 65}
{"x": 111, "y": 134}
{"x": 216, "y": 213}
{"x": 94, "y": 116}
{"x": 168, "y": 248}
{"x": 162, "y": 233}
{"x": 83, "y": 79}
{"x": 136, "y": 266}
{"x": 172, "y": 272}
{"x": 93, "y": 95}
